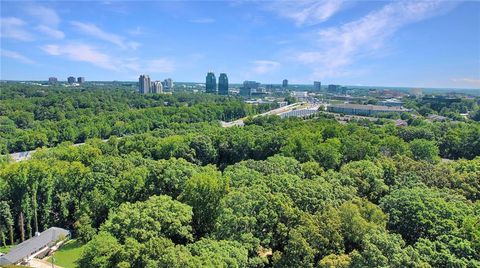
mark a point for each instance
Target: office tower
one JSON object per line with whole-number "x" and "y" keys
{"x": 71, "y": 79}
{"x": 333, "y": 88}
{"x": 317, "y": 85}
{"x": 80, "y": 80}
{"x": 223, "y": 84}
{"x": 249, "y": 87}
{"x": 168, "y": 84}
{"x": 285, "y": 83}
{"x": 157, "y": 87}
{"x": 52, "y": 80}
{"x": 144, "y": 84}
{"x": 210, "y": 83}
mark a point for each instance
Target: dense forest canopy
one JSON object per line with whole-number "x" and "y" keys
{"x": 185, "y": 192}
{"x": 33, "y": 116}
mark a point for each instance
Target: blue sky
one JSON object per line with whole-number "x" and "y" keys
{"x": 401, "y": 43}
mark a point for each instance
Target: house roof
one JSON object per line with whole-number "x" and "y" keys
{"x": 32, "y": 245}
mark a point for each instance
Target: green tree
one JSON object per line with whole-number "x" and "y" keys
{"x": 424, "y": 150}
{"x": 203, "y": 193}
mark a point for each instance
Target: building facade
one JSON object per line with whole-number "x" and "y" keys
{"x": 210, "y": 83}
{"x": 52, "y": 80}
{"x": 285, "y": 83}
{"x": 144, "y": 84}
{"x": 168, "y": 84}
{"x": 248, "y": 88}
{"x": 80, "y": 80}
{"x": 223, "y": 84}
{"x": 157, "y": 87}
{"x": 333, "y": 88}
{"x": 71, "y": 79}
{"x": 366, "y": 110}
{"x": 317, "y": 85}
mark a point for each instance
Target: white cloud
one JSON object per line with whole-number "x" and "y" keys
{"x": 46, "y": 16}
{"x": 15, "y": 55}
{"x": 264, "y": 66}
{"x": 54, "y": 33}
{"x": 93, "y": 30}
{"x": 87, "y": 53}
{"x": 82, "y": 52}
{"x": 339, "y": 47}
{"x": 307, "y": 12}
{"x": 14, "y": 28}
{"x": 203, "y": 20}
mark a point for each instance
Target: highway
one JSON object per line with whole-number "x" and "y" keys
{"x": 277, "y": 111}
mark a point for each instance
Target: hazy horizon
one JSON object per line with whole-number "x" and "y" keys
{"x": 428, "y": 44}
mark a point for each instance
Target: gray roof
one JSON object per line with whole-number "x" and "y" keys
{"x": 368, "y": 107}
{"x": 32, "y": 245}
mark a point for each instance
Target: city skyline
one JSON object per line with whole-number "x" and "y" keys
{"x": 400, "y": 44}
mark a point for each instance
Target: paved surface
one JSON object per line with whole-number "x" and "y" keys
{"x": 37, "y": 263}
{"x": 277, "y": 111}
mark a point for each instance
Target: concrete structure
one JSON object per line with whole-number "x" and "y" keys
{"x": 210, "y": 83}
{"x": 144, "y": 84}
{"x": 39, "y": 245}
{"x": 168, "y": 84}
{"x": 52, "y": 80}
{"x": 333, "y": 88}
{"x": 391, "y": 103}
{"x": 71, "y": 79}
{"x": 223, "y": 84}
{"x": 80, "y": 80}
{"x": 249, "y": 87}
{"x": 299, "y": 113}
{"x": 366, "y": 110}
{"x": 317, "y": 85}
{"x": 300, "y": 94}
{"x": 285, "y": 83}
{"x": 157, "y": 87}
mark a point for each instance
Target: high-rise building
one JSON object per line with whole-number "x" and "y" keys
{"x": 144, "y": 84}
{"x": 249, "y": 87}
{"x": 285, "y": 83}
{"x": 157, "y": 87}
{"x": 80, "y": 80}
{"x": 210, "y": 83}
{"x": 52, "y": 80}
{"x": 333, "y": 88}
{"x": 71, "y": 79}
{"x": 168, "y": 84}
{"x": 223, "y": 84}
{"x": 317, "y": 85}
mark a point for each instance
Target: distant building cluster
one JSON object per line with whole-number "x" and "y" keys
{"x": 70, "y": 80}
{"x": 52, "y": 80}
{"x": 211, "y": 83}
{"x": 147, "y": 86}
{"x": 250, "y": 88}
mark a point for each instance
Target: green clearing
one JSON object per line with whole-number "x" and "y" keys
{"x": 68, "y": 254}
{"x": 5, "y": 249}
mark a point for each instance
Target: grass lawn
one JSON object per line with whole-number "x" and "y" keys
{"x": 5, "y": 249}
{"x": 68, "y": 254}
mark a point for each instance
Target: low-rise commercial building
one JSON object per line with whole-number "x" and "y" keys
{"x": 37, "y": 246}
{"x": 366, "y": 110}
